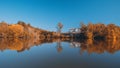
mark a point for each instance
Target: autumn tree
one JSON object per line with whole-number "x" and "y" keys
{"x": 16, "y": 29}
{"x": 4, "y": 29}
{"x": 59, "y": 27}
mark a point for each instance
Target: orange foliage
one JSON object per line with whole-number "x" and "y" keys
{"x": 101, "y": 30}
{"x": 16, "y": 29}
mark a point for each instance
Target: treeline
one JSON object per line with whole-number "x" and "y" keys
{"x": 23, "y": 30}
{"x": 97, "y": 31}
{"x": 19, "y": 30}
{"x": 91, "y": 31}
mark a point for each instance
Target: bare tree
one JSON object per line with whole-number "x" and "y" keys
{"x": 59, "y": 27}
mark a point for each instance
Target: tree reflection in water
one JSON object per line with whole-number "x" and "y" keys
{"x": 97, "y": 46}
{"x": 59, "y": 46}
{"x": 89, "y": 45}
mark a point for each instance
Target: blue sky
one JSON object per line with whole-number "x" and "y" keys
{"x": 46, "y": 14}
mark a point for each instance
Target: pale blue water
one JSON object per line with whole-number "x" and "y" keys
{"x": 47, "y": 56}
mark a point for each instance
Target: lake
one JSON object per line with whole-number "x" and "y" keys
{"x": 59, "y": 54}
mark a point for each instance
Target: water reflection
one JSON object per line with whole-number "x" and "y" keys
{"x": 89, "y": 46}
{"x": 97, "y": 46}
{"x": 25, "y": 44}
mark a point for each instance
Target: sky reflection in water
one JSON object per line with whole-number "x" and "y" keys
{"x": 59, "y": 54}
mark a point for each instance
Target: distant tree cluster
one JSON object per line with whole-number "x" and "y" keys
{"x": 19, "y": 30}
{"x": 100, "y": 30}
{"x": 91, "y": 31}
{"x": 23, "y": 30}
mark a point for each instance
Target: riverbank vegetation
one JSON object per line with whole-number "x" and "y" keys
{"x": 89, "y": 31}
{"x": 26, "y": 31}
{"x": 22, "y": 36}
{"x": 22, "y": 30}
{"x": 100, "y": 31}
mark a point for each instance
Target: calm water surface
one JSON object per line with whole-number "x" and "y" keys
{"x": 60, "y": 54}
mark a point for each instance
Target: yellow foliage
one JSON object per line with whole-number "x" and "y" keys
{"x": 16, "y": 29}
{"x": 101, "y": 30}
